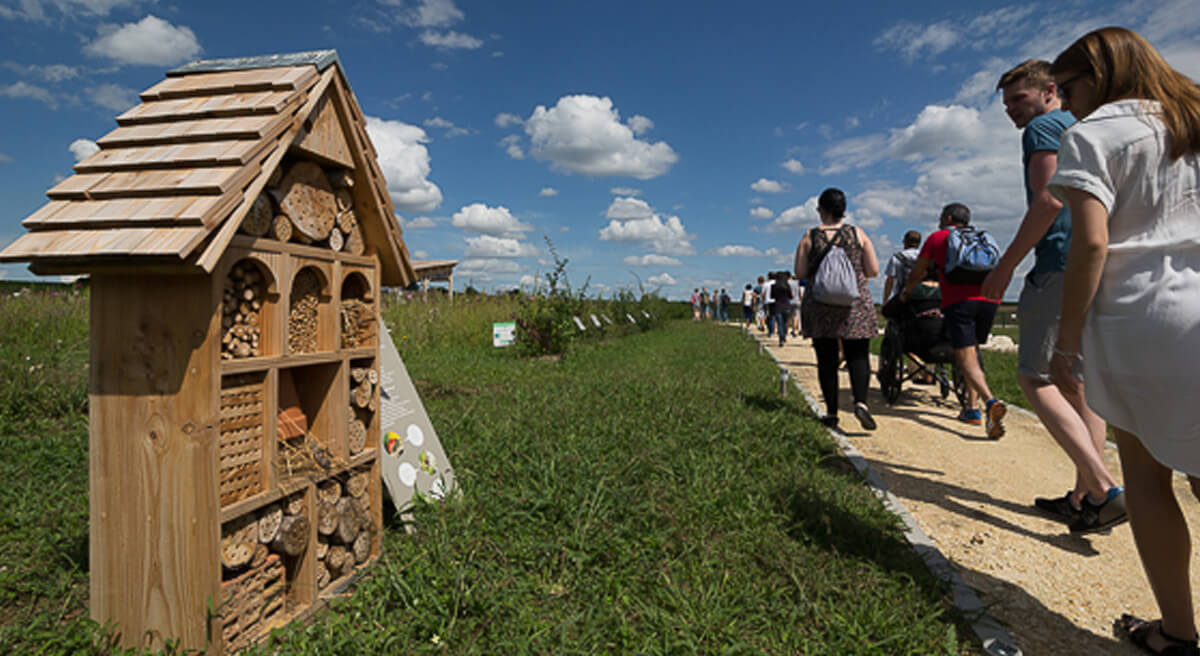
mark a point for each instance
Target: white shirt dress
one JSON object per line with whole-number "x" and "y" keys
{"x": 1141, "y": 338}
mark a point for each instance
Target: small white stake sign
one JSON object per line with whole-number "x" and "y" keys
{"x": 504, "y": 333}
{"x": 579, "y": 324}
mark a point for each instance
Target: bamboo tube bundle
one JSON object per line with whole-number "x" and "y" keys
{"x": 362, "y": 392}
{"x": 241, "y": 316}
{"x": 358, "y": 323}
{"x": 269, "y": 521}
{"x": 302, "y": 320}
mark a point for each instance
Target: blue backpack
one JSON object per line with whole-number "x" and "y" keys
{"x": 970, "y": 255}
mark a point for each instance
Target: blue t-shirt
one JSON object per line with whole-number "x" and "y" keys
{"x": 1043, "y": 133}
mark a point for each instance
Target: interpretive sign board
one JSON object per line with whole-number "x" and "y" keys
{"x": 504, "y": 333}
{"x": 413, "y": 459}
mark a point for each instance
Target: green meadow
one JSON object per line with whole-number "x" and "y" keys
{"x": 646, "y": 491}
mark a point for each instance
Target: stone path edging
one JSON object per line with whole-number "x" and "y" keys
{"x": 992, "y": 635}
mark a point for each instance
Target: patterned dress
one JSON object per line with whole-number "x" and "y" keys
{"x": 855, "y": 322}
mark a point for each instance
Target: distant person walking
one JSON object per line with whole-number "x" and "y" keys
{"x": 966, "y": 319}
{"x": 1130, "y": 172}
{"x": 1031, "y": 101}
{"x": 705, "y": 303}
{"x": 782, "y": 294}
{"x": 723, "y": 305}
{"x": 852, "y": 325}
{"x": 768, "y": 291}
{"x": 900, "y": 264}
{"x": 760, "y": 304}
{"x": 794, "y": 315}
{"x": 748, "y": 305}
{"x": 695, "y": 304}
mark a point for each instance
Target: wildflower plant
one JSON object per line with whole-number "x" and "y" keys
{"x": 544, "y": 318}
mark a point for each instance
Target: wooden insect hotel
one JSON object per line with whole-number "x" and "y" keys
{"x": 237, "y": 230}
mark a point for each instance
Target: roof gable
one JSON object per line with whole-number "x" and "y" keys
{"x": 172, "y": 183}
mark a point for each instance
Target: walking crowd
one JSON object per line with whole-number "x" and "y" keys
{"x": 1109, "y": 314}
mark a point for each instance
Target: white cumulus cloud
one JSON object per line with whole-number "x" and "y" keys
{"x": 504, "y": 120}
{"x": 793, "y": 165}
{"x": 761, "y": 213}
{"x": 418, "y": 223}
{"x": 487, "y": 246}
{"x": 736, "y": 250}
{"x": 584, "y": 134}
{"x": 113, "y": 96}
{"x": 765, "y": 186}
{"x": 450, "y": 40}
{"x": 83, "y": 148}
{"x": 625, "y": 191}
{"x": 22, "y": 89}
{"x": 628, "y": 208}
{"x": 496, "y": 221}
{"x": 151, "y": 41}
{"x": 547, "y": 192}
{"x": 665, "y": 237}
{"x": 651, "y": 260}
{"x": 512, "y": 146}
{"x": 663, "y": 279}
{"x": 489, "y": 265}
{"x": 432, "y": 13}
{"x": 405, "y": 164}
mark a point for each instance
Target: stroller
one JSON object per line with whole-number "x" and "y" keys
{"x": 914, "y": 329}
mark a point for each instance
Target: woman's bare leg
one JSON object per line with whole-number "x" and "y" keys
{"x": 1160, "y": 533}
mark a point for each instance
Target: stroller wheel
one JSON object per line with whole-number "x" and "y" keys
{"x": 891, "y": 370}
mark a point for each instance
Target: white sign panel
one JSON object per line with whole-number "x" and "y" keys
{"x": 579, "y": 324}
{"x": 413, "y": 459}
{"x": 630, "y": 317}
{"x": 595, "y": 321}
{"x": 504, "y": 333}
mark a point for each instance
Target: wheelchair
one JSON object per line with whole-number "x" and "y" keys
{"x": 914, "y": 332}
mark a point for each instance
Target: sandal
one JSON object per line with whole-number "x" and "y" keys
{"x": 1140, "y": 633}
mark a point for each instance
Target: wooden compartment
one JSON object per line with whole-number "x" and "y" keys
{"x": 249, "y": 296}
{"x": 242, "y": 442}
{"x": 310, "y": 321}
{"x": 358, "y": 311}
{"x": 310, "y": 423}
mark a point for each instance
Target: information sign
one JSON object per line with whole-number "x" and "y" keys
{"x": 504, "y": 333}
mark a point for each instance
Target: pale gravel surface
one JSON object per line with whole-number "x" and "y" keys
{"x": 1056, "y": 593}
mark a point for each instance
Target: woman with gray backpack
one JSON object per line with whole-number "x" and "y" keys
{"x": 837, "y": 258}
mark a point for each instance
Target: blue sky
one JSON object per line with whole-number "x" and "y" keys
{"x": 676, "y": 143}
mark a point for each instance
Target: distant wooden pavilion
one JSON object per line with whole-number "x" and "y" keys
{"x": 435, "y": 271}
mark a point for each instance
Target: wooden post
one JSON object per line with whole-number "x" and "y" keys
{"x": 152, "y": 456}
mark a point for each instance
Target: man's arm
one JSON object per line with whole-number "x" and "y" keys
{"x": 887, "y": 288}
{"x": 1037, "y": 220}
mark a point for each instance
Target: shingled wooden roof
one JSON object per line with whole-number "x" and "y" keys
{"x": 171, "y": 184}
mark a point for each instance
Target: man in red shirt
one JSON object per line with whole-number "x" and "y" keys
{"x": 967, "y": 317}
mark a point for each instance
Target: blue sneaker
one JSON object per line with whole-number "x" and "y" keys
{"x": 971, "y": 416}
{"x": 995, "y": 418}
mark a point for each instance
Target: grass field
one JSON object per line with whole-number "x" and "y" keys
{"x": 649, "y": 493}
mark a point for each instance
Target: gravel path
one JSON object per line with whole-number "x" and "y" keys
{"x": 1057, "y": 593}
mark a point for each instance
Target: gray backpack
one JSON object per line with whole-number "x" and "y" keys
{"x": 835, "y": 282}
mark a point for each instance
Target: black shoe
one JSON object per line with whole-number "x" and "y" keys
{"x": 1058, "y": 507}
{"x": 864, "y": 416}
{"x": 830, "y": 421}
{"x": 1093, "y": 518}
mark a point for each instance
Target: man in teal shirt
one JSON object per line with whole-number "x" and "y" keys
{"x": 1031, "y": 101}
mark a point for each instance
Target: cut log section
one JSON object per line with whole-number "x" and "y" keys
{"x": 329, "y": 491}
{"x": 358, "y": 374}
{"x": 269, "y": 520}
{"x": 293, "y": 535}
{"x": 356, "y": 441}
{"x": 373, "y": 376}
{"x": 354, "y": 241}
{"x": 326, "y": 518}
{"x": 336, "y": 240}
{"x": 323, "y": 577}
{"x": 294, "y": 505}
{"x": 362, "y": 547}
{"x": 363, "y": 393}
{"x": 281, "y": 228}
{"x": 258, "y": 220}
{"x": 349, "y": 520}
{"x": 356, "y": 484}
{"x": 238, "y": 540}
{"x": 322, "y": 546}
{"x": 373, "y": 406}
{"x": 305, "y": 195}
{"x": 336, "y": 559}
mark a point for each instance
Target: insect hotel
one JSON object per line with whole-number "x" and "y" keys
{"x": 237, "y": 229}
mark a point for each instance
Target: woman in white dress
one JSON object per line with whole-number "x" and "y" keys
{"x": 1130, "y": 172}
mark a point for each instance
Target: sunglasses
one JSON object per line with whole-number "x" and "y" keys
{"x": 1064, "y": 87}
